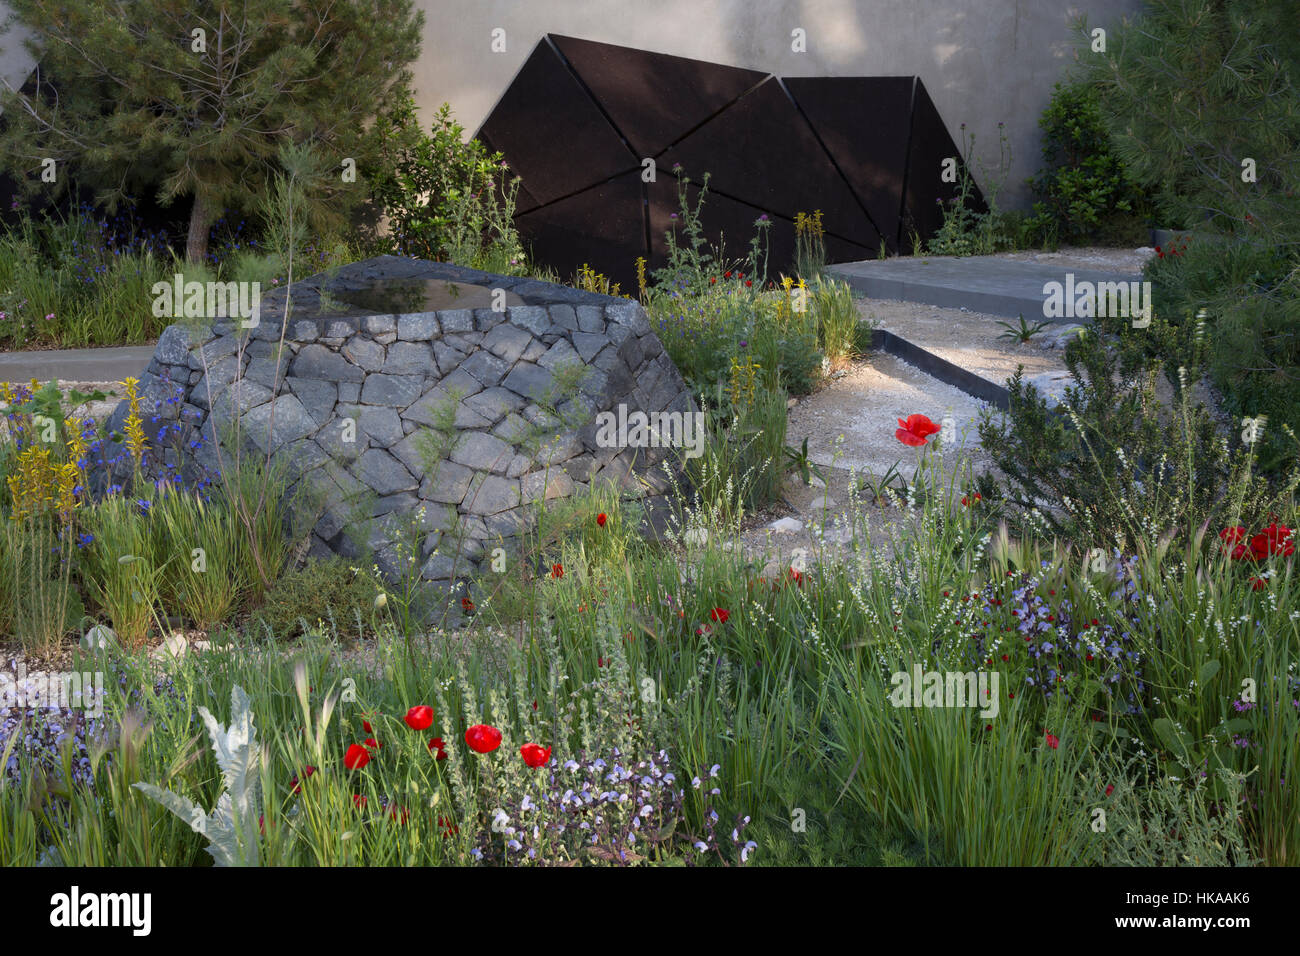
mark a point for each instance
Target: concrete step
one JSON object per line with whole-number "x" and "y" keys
{"x": 985, "y": 284}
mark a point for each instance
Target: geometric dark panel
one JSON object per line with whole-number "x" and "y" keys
{"x": 863, "y": 121}
{"x": 761, "y": 151}
{"x": 652, "y": 98}
{"x": 579, "y": 117}
{"x": 603, "y": 226}
{"x": 925, "y": 193}
{"x": 551, "y": 132}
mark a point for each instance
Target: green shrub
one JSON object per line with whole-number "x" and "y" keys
{"x": 321, "y": 590}
{"x": 1083, "y": 192}
{"x": 1114, "y": 465}
{"x": 1189, "y": 90}
{"x": 198, "y": 546}
{"x": 1249, "y": 292}
{"x": 447, "y": 199}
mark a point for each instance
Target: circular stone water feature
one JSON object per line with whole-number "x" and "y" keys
{"x": 350, "y": 404}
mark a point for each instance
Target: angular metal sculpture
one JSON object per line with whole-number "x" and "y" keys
{"x": 580, "y": 120}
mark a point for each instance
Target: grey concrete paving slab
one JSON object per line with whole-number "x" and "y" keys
{"x": 986, "y": 284}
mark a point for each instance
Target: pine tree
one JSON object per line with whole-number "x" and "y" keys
{"x": 197, "y": 98}
{"x": 1194, "y": 88}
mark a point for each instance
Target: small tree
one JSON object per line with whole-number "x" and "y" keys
{"x": 1194, "y": 89}
{"x": 195, "y": 98}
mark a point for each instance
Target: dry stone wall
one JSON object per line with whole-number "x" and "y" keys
{"x": 346, "y": 402}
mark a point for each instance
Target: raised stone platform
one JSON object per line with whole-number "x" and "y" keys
{"x": 351, "y": 398}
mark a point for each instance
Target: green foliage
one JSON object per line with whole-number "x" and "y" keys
{"x": 121, "y": 574}
{"x": 446, "y": 199}
{"x": 1021, "y": 332}
{"x": 322, "y": 590}
{"x": 801, "y": 464}
{"x": 694, "y": 264}
{"x": 1084, "y": 194}
{"x": 970, "y": 229}
{"x": 839, "y": 335}
{"x": 1191, "y": 88}
{"x": 1115, "y": 465}
{"x": 788, "y": 694}
{"x": 744, "y": 458}
{"x": 62, "y": 282}
{"x": 1248, "y": 295}
{"x": 148, "y": 112}
{"x": 39, "y": 602}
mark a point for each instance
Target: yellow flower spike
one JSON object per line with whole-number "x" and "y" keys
{"x": 135, "y": 439}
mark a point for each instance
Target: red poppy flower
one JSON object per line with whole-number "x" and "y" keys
{"x": 557, "y": 570}
{"x": 1110, "y": 788}
{"x": 720, "y": 615}
{"x": 467, "y": 605}
{"x": 437, "y": 744}
{"x": 1258, "y": 584}
{"x": 749, "y": 282}
{"x": 713, "y": 280}
{"x": 915, "y": 430}
{"x": 1232, "y": 535}
{"x": 483, "y": 738}
{"x": 372, "y": 743}
{"x": 964, "y": 502}
{"x": 393, "y": 813}
{"x": 535, "y": 755}
{"x": 601, "y": 519}
{"x": 1279, "y": 539}
{"x": 365, "y": 725}
{"x": 356, "y": 757}
{"x": 726, "y": 275}
{"x": 1259, "y": 546}
{"x": 1052, "y": 741}
{"x": 359, "y": 801}
{"x": 600, "y": 662}
{"x": 306, "y": 772}
{"x": 446, "y": 827}
{"x": 420, "y": 717}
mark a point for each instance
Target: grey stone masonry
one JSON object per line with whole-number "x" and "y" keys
{"x": 352, "y": 405}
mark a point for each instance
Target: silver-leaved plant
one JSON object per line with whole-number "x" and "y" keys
{"x": 232, "y": 825}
